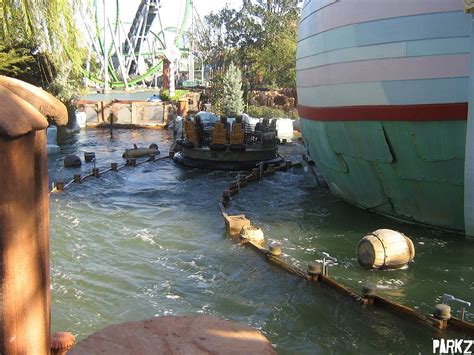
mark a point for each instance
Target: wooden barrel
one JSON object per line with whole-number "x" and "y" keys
{"x": 385, "y": 249}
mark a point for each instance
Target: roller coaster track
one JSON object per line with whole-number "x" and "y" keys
{"x": 139, "y": 31}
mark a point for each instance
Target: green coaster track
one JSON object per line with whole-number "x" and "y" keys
{"x": 115, "y": 80}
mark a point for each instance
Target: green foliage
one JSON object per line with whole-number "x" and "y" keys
{"x": 265, "y": 112}
{"x": 13, "y": 61}
{"x": 232, "y": 102}
{"x": 261, "y": 37}
{"x": 217, "y": 92}
{"x": 41, "y": 44}
{"x": 165, "y": 95}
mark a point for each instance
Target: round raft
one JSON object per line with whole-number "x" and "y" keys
{"x": 385, "y": 249}
{"x": 226, "y": 159}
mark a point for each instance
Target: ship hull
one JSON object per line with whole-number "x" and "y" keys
{"x": 382, "y": 90}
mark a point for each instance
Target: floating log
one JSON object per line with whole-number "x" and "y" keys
{"x": 139, "y": 152}
{"x": 385, "y": 249}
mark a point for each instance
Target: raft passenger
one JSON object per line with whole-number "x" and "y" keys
{"x": 223, "y": 119}
{"x": 199, "y": 130}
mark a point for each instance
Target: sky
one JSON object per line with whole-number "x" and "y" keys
{"x": 172, "y": 10}
{"x": 206, "y": 6}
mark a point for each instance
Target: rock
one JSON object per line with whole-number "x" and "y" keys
{"x": 176, "y": 335}
{"x": 72, "y": 161}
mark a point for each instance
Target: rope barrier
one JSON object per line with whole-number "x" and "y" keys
{"x": 96, "y": 172}
{"x": 317, "y": 272}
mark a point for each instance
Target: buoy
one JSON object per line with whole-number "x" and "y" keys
{"x": 77, "y": 178}
{"x": 442, "y": 311}
{"x": 89, "y": 156}
{"x": 59, "y": 185}
{"x": 96, "y": 172}
{"x": 114, "y": 166}
{"x": 275, "y": 249}
{"x": 253, "y": 234}
{"x": 385, "y": 249}
{"x": 315, "y": 268}
{"x": 72, "y": 161}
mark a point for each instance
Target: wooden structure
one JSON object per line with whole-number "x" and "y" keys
{"x": 385, "y": 249}
{"x": 234, "y": 224}
{"x": 24, "y": 216}
{"x": 237, "y": 135}
{"x": 219, "y": 134}
{"x": 126, "y": 113}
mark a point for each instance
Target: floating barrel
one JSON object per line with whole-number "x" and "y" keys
{"x": 385, "y": 249}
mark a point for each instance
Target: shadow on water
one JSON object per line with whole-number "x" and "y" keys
{"x": 150, "y": 241}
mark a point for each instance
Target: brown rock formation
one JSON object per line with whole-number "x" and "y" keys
{"x": 24, "y": 220}
{"x": 176, "y": 335}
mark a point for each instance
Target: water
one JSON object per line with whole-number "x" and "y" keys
{"x": 150, "y": 241}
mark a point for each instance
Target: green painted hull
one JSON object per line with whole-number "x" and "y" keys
{"x": 409, "y": 170}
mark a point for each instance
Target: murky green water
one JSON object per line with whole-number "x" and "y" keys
{"x": 150, "y": 241}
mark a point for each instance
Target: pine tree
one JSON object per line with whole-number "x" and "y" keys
{"x": 232, "y": 101}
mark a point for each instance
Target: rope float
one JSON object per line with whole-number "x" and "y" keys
{"x": 241, "y": 229}
{"x": 131, "y": 156}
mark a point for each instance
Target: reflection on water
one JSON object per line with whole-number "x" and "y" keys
{"x": 150, "y": 241}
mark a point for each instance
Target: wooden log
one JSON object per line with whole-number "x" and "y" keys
{"x": 340, "y": 288}
{"x": 405, "y": 311}
{"x": 461, "y": 325}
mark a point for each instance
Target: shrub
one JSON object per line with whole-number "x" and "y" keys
{"x": 165, "y": 95}
{"x": 265, "y": 112}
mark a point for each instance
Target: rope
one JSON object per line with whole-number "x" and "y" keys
{"x": 70, "y": 182}
{"x": 378, "y": 301}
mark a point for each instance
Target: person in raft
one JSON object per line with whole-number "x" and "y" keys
{"x": 199, "y": 130}
{"x": 223, "y": 119}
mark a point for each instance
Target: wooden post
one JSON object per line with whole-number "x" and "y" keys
{"x": 24, "y": 245}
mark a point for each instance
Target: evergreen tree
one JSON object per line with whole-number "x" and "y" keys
{"x": 232, "y": 101}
